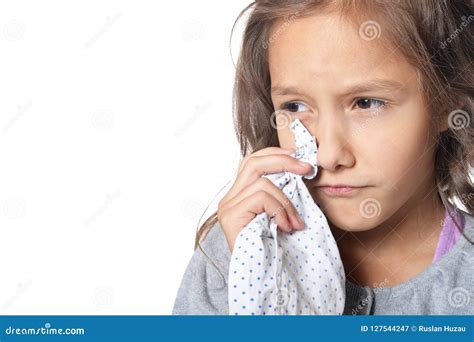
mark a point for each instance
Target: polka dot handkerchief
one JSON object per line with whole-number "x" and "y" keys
{"x": 299, "y": 273}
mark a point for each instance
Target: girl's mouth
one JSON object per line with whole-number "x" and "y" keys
{"x": 340, "y": 190}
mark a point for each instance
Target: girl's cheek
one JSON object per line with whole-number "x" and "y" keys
{"x": 285, "y": 137}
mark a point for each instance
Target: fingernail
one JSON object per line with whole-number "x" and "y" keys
{"x": 299, "y": 223}
{"x": 302, "y": 164}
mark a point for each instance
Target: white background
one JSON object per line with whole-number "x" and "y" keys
{"x": 116, "y": 132}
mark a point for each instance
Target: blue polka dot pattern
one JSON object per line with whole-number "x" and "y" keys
{"x": 297, "y": 273}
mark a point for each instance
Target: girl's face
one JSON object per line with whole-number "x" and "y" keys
{"x": 363, "y": 103}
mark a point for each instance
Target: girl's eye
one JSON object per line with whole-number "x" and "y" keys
{"x": 293, "y": 107}
{"x": 367, "y": 103}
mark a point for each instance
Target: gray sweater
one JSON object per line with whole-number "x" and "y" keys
{"x": 443, "y": 288}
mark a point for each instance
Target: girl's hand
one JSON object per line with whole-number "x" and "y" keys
{"x": 252, "y": 194}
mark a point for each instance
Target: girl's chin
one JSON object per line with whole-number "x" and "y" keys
{"x": 352, "y": 222}
{"x": 357, "y": 214}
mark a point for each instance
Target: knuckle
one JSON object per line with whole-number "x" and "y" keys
{"x": 251, "y": 161}
{"x": 222, "y": 217}
{"x": 221, "y": 205}
{"x": 285, "y": 163}
{"x": 263, "y": 183}
{"x": 288, "y": 159}
{"x": 286, "y": 201}
{"x": 244, "y": 160}
{"x": 262, "y": 195}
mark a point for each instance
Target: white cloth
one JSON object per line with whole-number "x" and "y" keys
{"x": 299, "y": 273}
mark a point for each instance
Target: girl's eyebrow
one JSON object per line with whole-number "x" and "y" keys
{"x": 374, "y": 84}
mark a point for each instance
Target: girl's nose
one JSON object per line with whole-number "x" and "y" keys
{"x": 334, "y": 148}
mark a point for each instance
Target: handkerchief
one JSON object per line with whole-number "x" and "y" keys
{"x": 299, "y": 273}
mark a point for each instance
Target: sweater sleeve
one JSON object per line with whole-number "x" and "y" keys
{"x": 203, "y": 288}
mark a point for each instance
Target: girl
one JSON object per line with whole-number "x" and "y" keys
{"x": 386, "y": 89}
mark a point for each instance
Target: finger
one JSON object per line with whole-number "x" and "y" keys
{"x": 262, "y": 201}
{"x": 266, "y": 185}
{"x": 256, "y": 167}
{"x": 264, "y": 152}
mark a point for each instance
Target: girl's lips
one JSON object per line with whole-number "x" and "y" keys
{"x": 340, "y": 191}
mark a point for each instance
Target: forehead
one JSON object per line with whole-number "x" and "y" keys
{"x": 328, "y": 46}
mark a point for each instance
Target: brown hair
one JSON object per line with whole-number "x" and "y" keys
{"x": 434, "y": 35}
